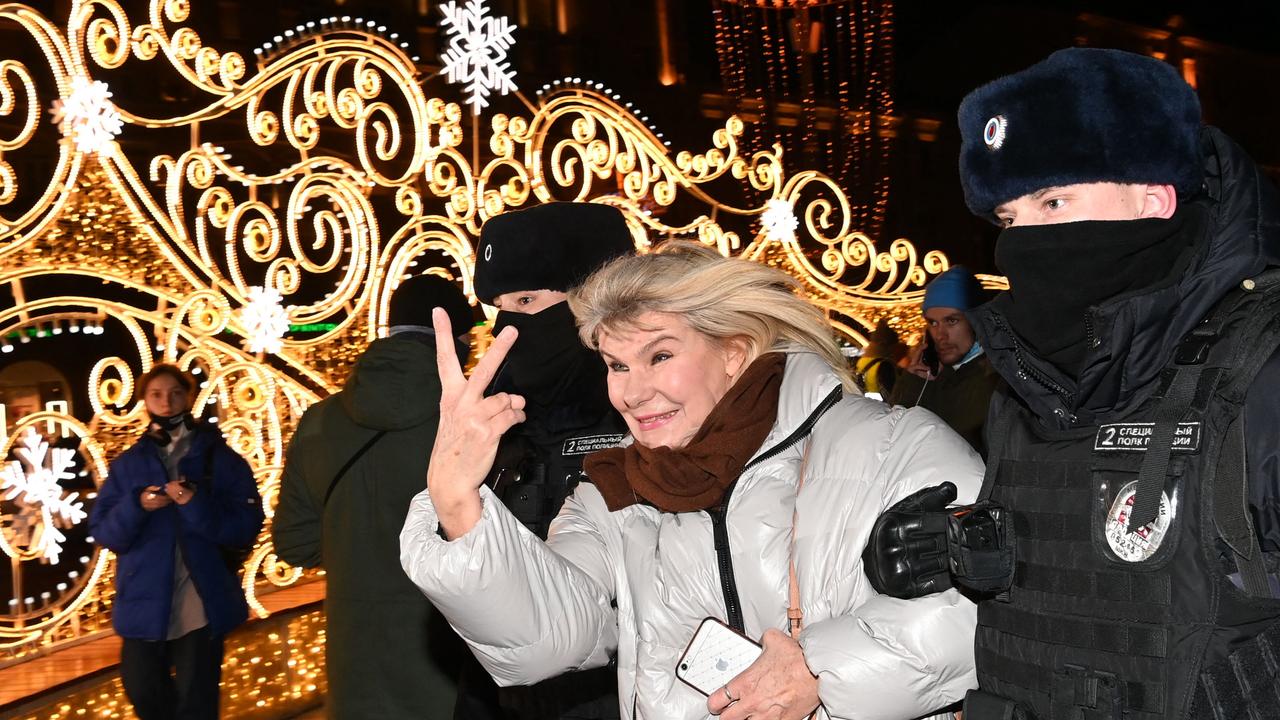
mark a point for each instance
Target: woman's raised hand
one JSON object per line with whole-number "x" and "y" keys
{"x": 470, "y": 427}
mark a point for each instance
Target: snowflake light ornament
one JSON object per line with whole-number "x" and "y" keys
{"x": 264, "y": 319}
{"x": 779, "y": 220}
{"x": 87, "y": 115}
{"x": 477, "y": 51}
{"x": 36, "y": 487}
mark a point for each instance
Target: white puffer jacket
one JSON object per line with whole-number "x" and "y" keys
{"x": 532, "y": 610}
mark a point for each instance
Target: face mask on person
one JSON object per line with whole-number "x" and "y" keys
{"x": 545, "y": 348}
{"x": 161, "y": 426}
{"x": 1057, "y": 273}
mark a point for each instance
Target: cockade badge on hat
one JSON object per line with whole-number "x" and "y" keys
{"x": 993, "y": 134}
{"x": 488, "y": 252}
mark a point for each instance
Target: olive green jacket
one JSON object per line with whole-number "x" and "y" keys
{"x": 960, "y": 397}
{"x": 389, "y": 654}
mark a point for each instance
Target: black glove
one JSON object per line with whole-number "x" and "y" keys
{"x": 906, "y": 556}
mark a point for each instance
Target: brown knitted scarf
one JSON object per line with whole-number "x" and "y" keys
{"x": 697, "y": 475}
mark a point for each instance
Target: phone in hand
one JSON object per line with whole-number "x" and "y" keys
{"x": 716, "y": 654}
{"x": 930, "y": 356}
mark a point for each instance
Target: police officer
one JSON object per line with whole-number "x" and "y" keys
{"x": 527, "y": 261}
{"x": 1132, "y": 495}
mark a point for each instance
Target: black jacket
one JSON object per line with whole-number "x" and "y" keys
{"x": 539, "y": 461}
{"x": 1136, "y": 335}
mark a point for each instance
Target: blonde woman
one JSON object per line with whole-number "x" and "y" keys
{"x": 730, "y": 384}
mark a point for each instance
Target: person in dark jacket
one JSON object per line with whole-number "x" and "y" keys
{"x": 958, "y": 387}
{"x": 171, "y": 505}
{"x": 354, "y": 463}
{"x": 528, "y": 260}
{"x": 1136, "y": 447}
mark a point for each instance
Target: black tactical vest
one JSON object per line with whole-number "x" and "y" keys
{"x": 538, "y": 467}
{"x": 1104, "y": 623}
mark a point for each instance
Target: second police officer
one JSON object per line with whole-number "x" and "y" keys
{"x": 527, "y": 261}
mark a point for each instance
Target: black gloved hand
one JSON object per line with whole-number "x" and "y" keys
{"x": 906, "y": 556}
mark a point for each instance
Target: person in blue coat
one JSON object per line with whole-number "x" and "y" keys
{"x": 171, "y": 506}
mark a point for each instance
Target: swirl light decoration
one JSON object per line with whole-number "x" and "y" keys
{"x": 342, "y": 178}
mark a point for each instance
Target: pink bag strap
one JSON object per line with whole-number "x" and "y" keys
{"x": 795, "y": 615}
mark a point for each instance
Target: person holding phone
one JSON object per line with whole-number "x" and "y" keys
{"x": 952, "y": 378}
{"x": 749, "y": 452}
{"x": 172, "y": 504}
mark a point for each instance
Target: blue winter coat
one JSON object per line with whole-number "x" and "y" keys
{"x": 225, "y": 511}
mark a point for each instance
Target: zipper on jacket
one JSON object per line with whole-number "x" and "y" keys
{"x": 1091, "y": 338}
{"x": 1027, "y": 371}
{"x": 719, "y": 514}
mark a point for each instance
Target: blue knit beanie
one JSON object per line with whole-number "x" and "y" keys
{"x": 956, "y": 288}
{"x": 1082, "y": 115}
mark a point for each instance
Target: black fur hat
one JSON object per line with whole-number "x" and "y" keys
{"x": 1082, "y": 115}
{"x": 548, "y": 247}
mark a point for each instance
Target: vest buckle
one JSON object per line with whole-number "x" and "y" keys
{"x": 1194, "y": 348}
{"x": 1088, "y": 694}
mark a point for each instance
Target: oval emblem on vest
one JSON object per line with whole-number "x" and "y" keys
{"x": 1144, "y": 542}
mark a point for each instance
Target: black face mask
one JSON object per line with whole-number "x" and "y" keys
{"x": 161, "y": 425}
{"x": 1058, "y": 273}
{"x": 545, "y": 350}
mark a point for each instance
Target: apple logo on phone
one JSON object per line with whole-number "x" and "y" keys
{"x": 722, "y": 664}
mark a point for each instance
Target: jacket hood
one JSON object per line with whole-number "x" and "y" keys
{"x": 1138, "y": 334}
{"x": 394, "y": 385}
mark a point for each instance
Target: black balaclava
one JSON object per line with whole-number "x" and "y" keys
{"x": 1059, "y": 273}
{"x": 545, "y": 352}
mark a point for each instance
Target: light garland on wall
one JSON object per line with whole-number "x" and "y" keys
{"x": 170, "y": 249}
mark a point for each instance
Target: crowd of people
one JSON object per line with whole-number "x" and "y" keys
{"x": 1066, "y": 505}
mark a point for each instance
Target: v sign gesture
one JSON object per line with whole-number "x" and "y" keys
{"x": 470, "y": 427}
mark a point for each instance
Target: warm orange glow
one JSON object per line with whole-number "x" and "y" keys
{"x": 666, "y": 65}
{"x": 1189, "y": 70}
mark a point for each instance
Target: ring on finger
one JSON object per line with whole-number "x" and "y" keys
{"x": 727, "y": 696}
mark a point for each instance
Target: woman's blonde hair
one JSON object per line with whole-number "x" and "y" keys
{"x": 722, "y": 298}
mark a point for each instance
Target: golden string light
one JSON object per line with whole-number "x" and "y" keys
{"x": 819, "y": 72}
{"x": 335, "y": 177}
{"x": 278, "y": 670}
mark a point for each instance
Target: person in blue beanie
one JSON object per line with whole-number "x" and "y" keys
{"x": 1127, "y": 537}
{"x": 956, "y": 381}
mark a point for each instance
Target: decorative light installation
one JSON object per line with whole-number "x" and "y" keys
{"x": 818, "y": 74}
{"x": 347, "y": 179}
{"x": 477, "y": 51}
{"x": 33, "y": 483}
{"x": 265, "y": 320}
{"x": 86, "y": 116}
{"x": 779, "y": 221}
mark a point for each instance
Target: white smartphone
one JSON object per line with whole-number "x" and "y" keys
{"x": 716, "y": 654}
